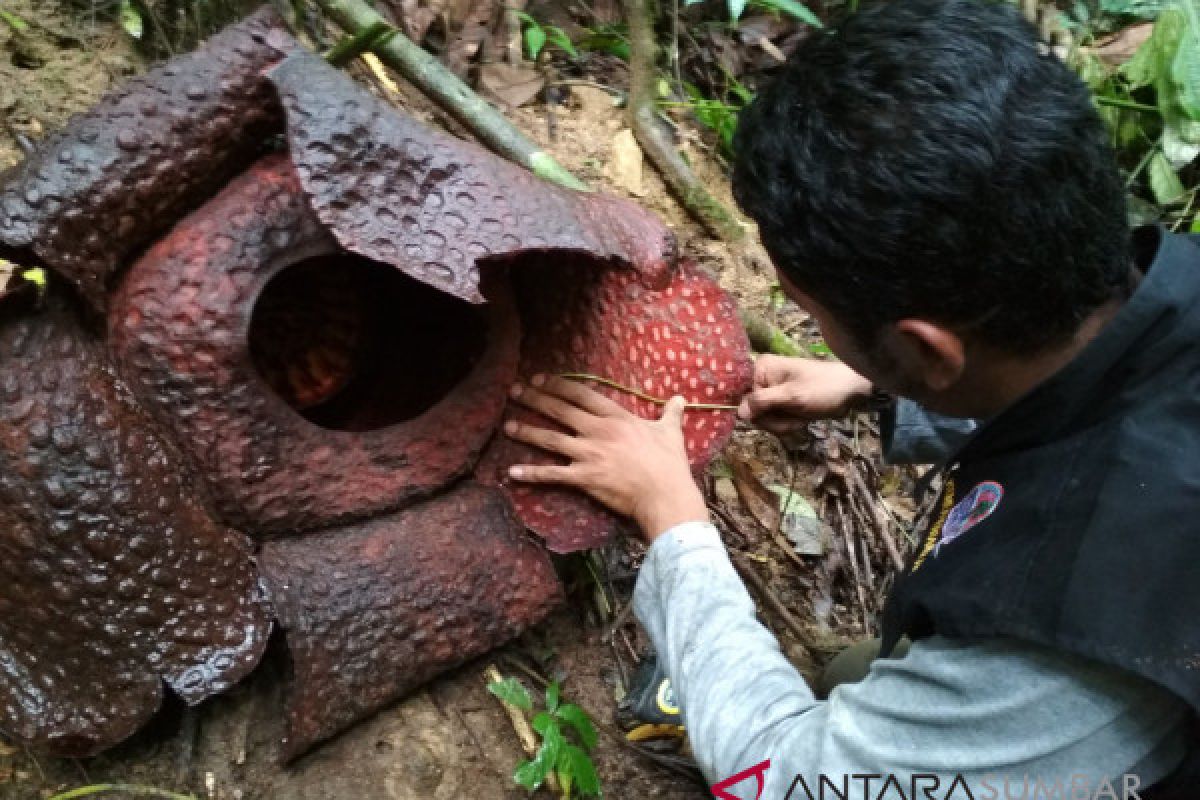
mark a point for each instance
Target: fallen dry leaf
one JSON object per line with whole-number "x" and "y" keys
{"x": 625, "y": 167}
{"x": 1119, "y": 47}
{"x": 760, "y": 501}
{"x": 512, "y": 85}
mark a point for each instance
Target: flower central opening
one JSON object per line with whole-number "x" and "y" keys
{"x": 355, "y": 345}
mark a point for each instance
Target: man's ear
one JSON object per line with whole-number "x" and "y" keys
{"x": 931, "y": 352}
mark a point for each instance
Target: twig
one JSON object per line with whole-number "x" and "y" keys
{"x": 122, "y": 788}
{"x": 853, "y": 558}
{"x": 525, "y": 734}
{"x": 584, "y": 376}
{"x": 1129, "y": 105}
{"x": 529, "y": 672}
{"x": 657, "y": 144}
{"x": 794, "y": 625}
{"x": 619, "y": 621}
{"x": 674, "y": 764}
{"x": 859, "y": 487}
{"x": 433, "y": 78}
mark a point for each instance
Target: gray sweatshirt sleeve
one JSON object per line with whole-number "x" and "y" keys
{"x": 988, "y": 710}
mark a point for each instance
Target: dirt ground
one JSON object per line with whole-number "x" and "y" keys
{"x": 452, "y": 739}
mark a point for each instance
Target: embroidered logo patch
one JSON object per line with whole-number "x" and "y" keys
{"x": 976, "y": 506}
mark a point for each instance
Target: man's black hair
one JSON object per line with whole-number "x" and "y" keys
{"x": 931, "y": 159}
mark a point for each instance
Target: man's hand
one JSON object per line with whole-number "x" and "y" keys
{"x": 635, "y": 466}
{"x": 790, "y": 392}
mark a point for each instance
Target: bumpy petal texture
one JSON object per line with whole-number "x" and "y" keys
{"x": 328, "y": 337}
{"x": 113, "y": 579}
{"x": 374, "y": 610}
{"x": 394, "y": 190}
{"x": 118, "y": 175}
{"x": 178, "y": 327}
{"x": 682, "y": 339}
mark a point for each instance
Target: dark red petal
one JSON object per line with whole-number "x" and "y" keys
{"x": 178, "y": 328}
{"x": 685, "y": 339}
{"x": 123, "y": 172}
{"x": 372, "y": 611}
{"x": 113, "y": 578}
{"x": 394, "y": 190}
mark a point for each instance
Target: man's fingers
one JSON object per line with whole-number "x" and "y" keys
{"x": 533, "y": 473}
{"x": 579, "y": 394}
{"x": 552, "y": 407}
{"x": 762, "y": 400}
{"x": 553, "y": 441}
{"x": 672, "y": 415}
{"x": 770, "y": 369}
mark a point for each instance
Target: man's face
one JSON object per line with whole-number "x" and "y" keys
{"x": 889, "y": 363}
{"x": 871, "y": 365}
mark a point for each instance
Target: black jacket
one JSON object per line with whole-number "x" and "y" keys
{"x": 1072, "y": 519}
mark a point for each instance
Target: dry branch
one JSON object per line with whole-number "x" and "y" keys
{"x": 655, "y": 140}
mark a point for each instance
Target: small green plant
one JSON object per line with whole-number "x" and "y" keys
{"x": 1151, "y": 102}
{"x": 793, "y": 8}
{"x": 721, "y": 116}
{"x": 612, "y": 39}
{"x": 789, "y": 7}
{"x": 537, "y": 36}
{"x": 567, "y": 735}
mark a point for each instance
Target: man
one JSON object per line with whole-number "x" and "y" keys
{"x": 938, "y": 192}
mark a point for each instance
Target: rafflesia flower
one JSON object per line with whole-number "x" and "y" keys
{"x": 265, "y": 383}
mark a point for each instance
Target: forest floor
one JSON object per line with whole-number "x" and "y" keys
{"x": 452, "y": 739}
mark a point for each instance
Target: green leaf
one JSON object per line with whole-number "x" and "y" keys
{"x": 1185, "y": 69}
{"x": 736, "y": 7}
{"x": 577, "y": 769}
{"x": 578, "y": 719}
{"x": 559, "y": 37}
{"x": 1164, "y": 183}
{"x": 607, "y": 41}
{"x": 531, "y": 774}
{"x": 1196, "y": 224}
{"x": 13, "y": 21}
{"x": 543, "y": 722}
{"x": 131, "y": 19}
{"x": 553, "y": 694}
{"x": 535, "y": 40}
{"x": 512, "y": 692}
{"x": 1146, "y": 9}
{"x": 794, "y": 9}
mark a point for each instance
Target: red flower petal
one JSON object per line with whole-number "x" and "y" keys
{"x": 684, "y": 339}
{"x": 178, "y": 327}
{"x": 113, "y": 578}
{"x": 394, "y": 190}
{"x": 373, "y": 611}
{"x": 123, "y": 172}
